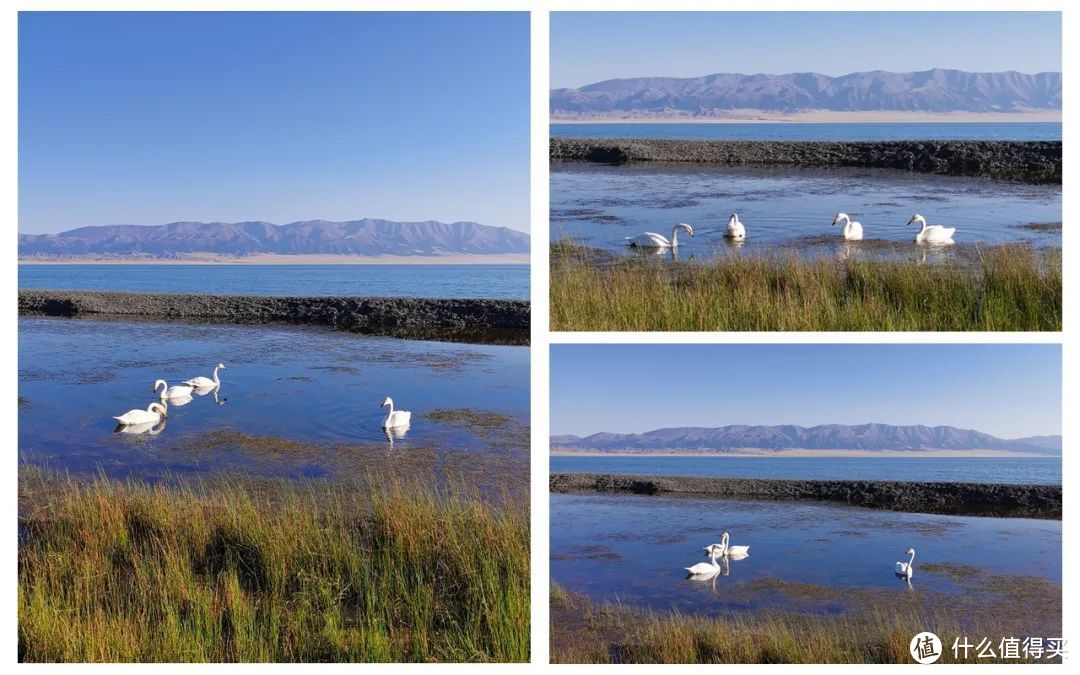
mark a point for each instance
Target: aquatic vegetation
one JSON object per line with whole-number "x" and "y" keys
{"x": 870, "y": 631}
{"x": 127, "y": 571}
{"x": 1004, "y": 288}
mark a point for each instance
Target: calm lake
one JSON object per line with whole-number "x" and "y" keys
{"x": 599, "y": 206}
{"x": 424, "y": 281}
{"x": 799, "y": 131}
{"x": 281, "y": 384}
{"x": 938, "y": 469}
{"x": 633, "y": 549}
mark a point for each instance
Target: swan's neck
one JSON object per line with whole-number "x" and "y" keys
{"x": 675, "y": 236}
{"x": 216, "y": 380}
{"x": 922, "y": 224}
{"x": 910, "y": 561}
{"x": 391, "y": 412}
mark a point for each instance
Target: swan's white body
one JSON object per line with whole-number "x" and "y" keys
{"x": 206, "y": 383}
{"x": 906, "y": 569}
{"x": 654, "y": 240}
{"x": 396, "y": 418}
{"x": 175, "y": 392}
{"x": 852, "y": 228}
{"x": 726, "y": 549}
{"x": 931, "y": 234}
{"x": 154, "y": 413}
{"x": 711, "y": 567}
{"x": 735, "y": 228}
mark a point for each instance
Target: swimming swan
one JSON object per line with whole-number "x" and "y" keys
{"x": 852, "y": 228}
{"x": 905, "y": 570}
{"x": 396, "y": 418}
{"x": 736, "y": 552}
{"x": 931, "y": 234}
{"x": 735, "y": 229}
{"x": 654, "y": 240}
{"x": 201, "y": 382}
{"x": 155, "y": 412}
{"x": 710, "y": 567}
{"x": 167, "y": 392}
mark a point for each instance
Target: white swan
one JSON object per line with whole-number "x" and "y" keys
{"x": 155, "y": 412}
{"x": 931, "y": 234}
{"x": 710, "y": 567}
{"x": 905, "y": 570}
{"x": 735, "y": 228}
{"x": 396, "y": 418}
{"x": 201, "y": 382}
{"x": 177, "y": 391}
{"x": 852, "y": 228}
{"x": 654, "y": 240}
{"x": 730, "y": 551}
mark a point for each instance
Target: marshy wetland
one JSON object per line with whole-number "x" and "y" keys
{"x": 273, "y": 519}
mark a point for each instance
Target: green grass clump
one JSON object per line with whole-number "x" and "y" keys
{"x": 1000, "y": 288}
{"x": 582, "y": 632}
{"x": 122, "y": 571}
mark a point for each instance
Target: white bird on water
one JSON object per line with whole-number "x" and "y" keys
{"x": 175, "y": 392}
{"x": 396, "y": 418}
{"x": 654, "y": 240}
{"x": 155, "y": 412}
{"x": 710, "y": 568}
{"x": 735, "y": 228}
{"x": 202, "y": 382}
{"x": 905, "y": 570}
{"x": 852, "y": 228}
{"x": 736, "y": 552}
{"x": 931, "y": 234}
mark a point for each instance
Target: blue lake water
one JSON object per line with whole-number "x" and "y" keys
{"x": 430, "y": 281}
{"x": 291, "y": 383}
{"x": 798, "y": 131}
{"x": 634, "y": 549}
{"x": 792, "y": 208}
{"x": 946, "y": 469}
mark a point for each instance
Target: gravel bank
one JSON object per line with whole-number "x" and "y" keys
{"x": 961, "y": 499}
{"x": 477, "y": 321}
{"x": 1027, "y": 161}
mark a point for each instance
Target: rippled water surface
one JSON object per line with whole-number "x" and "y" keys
{"x": 422, "y": 281}
{"x": 785, "y": 208}
{"x": 634, "y": 548}
{"x": 946, "y": 469}
{"x": 306, "y": 385}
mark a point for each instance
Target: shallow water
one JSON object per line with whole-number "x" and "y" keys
{"x": 634, "y": 548}
{"x": 599, "y": 206}
{"x": 291, "y": 383}
{"x": 422, "y": 281}
{"x": 946, "y": 469}
{"x": 799, "y": 131}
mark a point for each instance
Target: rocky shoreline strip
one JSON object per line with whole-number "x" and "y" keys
{"x": 1026, "y": 161}
{"x": 475, "y": 321}
{"x": 959, "y": 499}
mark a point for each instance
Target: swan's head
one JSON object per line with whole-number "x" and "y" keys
{"x": 910, "y": 551}
{"x": 684, "y": 226}
{"x": 915, "y": 219}
{"x": 159, "y": 409}
{"x": 386, "y": 402}
{"x": 839, "y": 217}
{"x": 159, "y": 384}
{"x": 733, "y": 219}
{"x": 222, "y": 366}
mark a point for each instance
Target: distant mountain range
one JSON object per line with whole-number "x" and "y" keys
{"x": 930, "y": 91}
{"x": 824, "y": 437}
{"x": 367, "y": 237}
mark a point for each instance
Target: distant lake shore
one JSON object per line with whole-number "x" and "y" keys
{"x": 808, "y": 453}
{"x": 304, "y": 259}
{"x": 819, "y": 116}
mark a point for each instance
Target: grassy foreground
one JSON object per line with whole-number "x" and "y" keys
{"x": 1005, "y": 288}
{"x": 124, "y": 571}
{"x": 582, "y": 632}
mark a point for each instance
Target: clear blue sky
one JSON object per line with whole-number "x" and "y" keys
{"x": 153, "y": 117}
{"x": 1005, "y": 390}
{"x": 594, "y": 46}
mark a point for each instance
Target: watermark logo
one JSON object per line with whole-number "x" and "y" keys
{"x": 925, "y": 648}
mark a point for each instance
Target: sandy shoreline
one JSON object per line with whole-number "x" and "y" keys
{"x": 882, "y": 454}
{"x": 824, "y": 116}
{"x": 269, "y": 259}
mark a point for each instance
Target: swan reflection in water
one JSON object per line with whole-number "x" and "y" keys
{"x": 147, "y": 428}
{"x": 393, "y": 433}
{"x": 214, "y": 389}
{"x": 710, "y": 571}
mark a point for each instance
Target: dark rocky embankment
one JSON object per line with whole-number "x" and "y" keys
{"x": 962, "y": 499}
{"x": 477, "y": 321}
{"x": 1028, "y": 161}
